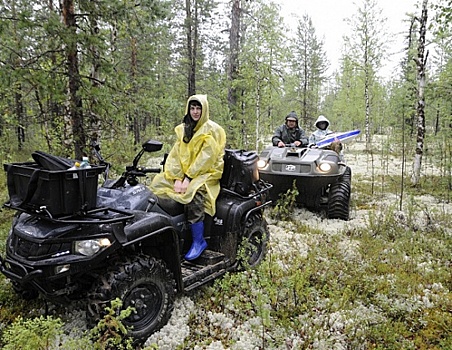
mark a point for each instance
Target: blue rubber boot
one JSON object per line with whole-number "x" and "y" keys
{"x": 199, "y": 243}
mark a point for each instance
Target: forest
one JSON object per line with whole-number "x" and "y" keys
{"x": 74, "y": 74}
{"x": 78, "y": 72}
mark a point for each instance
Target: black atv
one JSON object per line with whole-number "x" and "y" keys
{"x": 72, "y": 240}
{"x": 322, "y": 178}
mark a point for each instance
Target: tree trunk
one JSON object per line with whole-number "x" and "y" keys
{"x": 421, "y": 63}
{"x": 74, "y": 106}
{"x": 367, "y": 102}
{"x": 233, "y": 66}
{"x": 133, "y": 78}
{"x": 192, "y": 44}
{"x": 304, "y": 112}
{"x": 18, "y": 97}
{"x": 94, "y": 120}
{"x": 20, "y": 116}
{"x": 367, "y": 72}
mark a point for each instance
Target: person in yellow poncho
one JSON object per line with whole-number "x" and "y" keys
{"x": 193, "y": 169}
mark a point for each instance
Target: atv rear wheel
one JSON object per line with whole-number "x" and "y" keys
{"x": 141, "y": 282}
{"x": 254, "y": 243}
{"x": 339, "y": 197}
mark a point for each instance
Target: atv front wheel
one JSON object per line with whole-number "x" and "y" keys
{"x": 339, "y": 197}
{"x": 254, "y": 243}
{"x": 26, "y": 292}
{"x": 141, "y": 282}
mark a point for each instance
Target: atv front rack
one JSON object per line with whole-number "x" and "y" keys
{"x": 103, "y": 215}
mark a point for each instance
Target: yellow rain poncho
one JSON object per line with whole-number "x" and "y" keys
{"x": 201, "y": 160}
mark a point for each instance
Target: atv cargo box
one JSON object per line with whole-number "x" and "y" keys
{"x": 240, "y": 172}
{"x": 55, "y": 192}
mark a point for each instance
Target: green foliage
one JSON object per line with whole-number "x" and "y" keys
{"x": 262, "y": 58}
{"x": 47, "y": 332}
{"x": 284, "y": 208}
{"x": 41, "y": 333}
{"x": 110, "y": 333}
{"x": 307, "y": 74}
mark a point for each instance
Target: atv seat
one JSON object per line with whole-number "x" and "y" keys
{"x": 170, "y": 206}
{"x": 50, "y": 162}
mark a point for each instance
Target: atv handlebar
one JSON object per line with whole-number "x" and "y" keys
{"x": 134, "y": 171}
{"x": 293, "y": 145}
{"x": 140, "y": 171}
{"x": 131, "y": 174}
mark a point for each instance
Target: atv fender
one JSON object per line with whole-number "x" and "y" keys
{"x": 155, "y": 236}
{"x": 144, "y": 225}
{"x": 232, "y": 209}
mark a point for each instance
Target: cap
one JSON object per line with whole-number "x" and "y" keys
{"x": 292, "y": 116}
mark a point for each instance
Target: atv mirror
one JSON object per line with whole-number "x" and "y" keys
{"x": 152, "y": 146}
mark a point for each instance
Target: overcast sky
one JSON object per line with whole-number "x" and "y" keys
{"x": 328, "y": 20}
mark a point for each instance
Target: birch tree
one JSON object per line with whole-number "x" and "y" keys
{"x": 421, "y": 61}
{"x": 367, "y": 50}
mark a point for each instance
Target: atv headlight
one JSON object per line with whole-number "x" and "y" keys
{"x": 325, "y": 167}
{"x": 261, "y": 163}
{"x": 90, "y": 246}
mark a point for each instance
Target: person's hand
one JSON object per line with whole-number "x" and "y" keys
{"x": 281, "y": 144}
{"x": 181, "y": 186}
{"x": 297, "y": 143}
{"x": 184, "y": 185}
{"x": 178, "y": 186}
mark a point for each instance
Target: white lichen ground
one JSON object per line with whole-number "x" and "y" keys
{"x": 284, "y": 240}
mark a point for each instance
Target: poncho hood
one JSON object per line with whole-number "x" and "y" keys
{"x": 202, "y": 99}
{"x": 320, "y": 119}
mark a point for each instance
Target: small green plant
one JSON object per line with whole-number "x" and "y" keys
{"x": 284, "y": 206}
{"x": 110, "y": 333}
{"x": 39, "y": 333}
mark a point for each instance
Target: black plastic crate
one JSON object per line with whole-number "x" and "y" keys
{"x": 59, "y": 192}
{"x": 240, "y": 171}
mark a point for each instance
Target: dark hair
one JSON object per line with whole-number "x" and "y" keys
{"x": 194, "y": 103}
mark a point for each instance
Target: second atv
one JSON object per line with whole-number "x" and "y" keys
{"x": 321, "y": 177}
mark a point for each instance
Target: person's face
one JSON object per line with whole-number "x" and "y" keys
{"x": 322, "y": 125}
{"x": 195, "y": 112}
{"x": 291, "y": 123}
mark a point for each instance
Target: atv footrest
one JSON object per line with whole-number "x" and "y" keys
{"x": 209, "y": 257}
{"x": 208, "y": 266}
